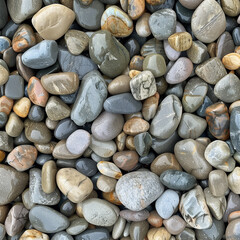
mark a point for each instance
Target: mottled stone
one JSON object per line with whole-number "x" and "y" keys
{"x": 132, "y": 196}
{"x": 135, "y": 126}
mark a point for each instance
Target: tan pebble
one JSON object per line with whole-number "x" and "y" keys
{"x": 51, "y": 124}
{"x": 233, "y": 180}
{"x": 180, "y": 41}
{"x": 154, "y": 219}
{"x": 142, "y": 25}
{"x": 106, "y": 184}
{"x": 120, "y": 84}
{"x": 32, "y": 234}
{"x": 130, "y": 143}
{"x": 133, "y": 73}
{"x": 212, "y": 49}
{"x": 6, "y": 104}
{"x": 4, "y": 75}
{"x": 158, "y": 234}
{"x": 121, "y": 141}
{"x": 150, "y": 106}
{"x": 231, "y": 61}
{"x": 109, "y": 169}
{"x": 135, "y": 8}
{"x": 135, "y": 126}
{"x": 4, "y": 209}
{"x": 22, "y": 107}
{"x": 49, "y": 171}
{"x": 46, "y": 148}
{"x": 79, "y": 209}
{"x": 231, "y": 7}
{"x": 14, "y": 125}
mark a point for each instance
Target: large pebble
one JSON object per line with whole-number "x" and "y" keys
{"x": 34, "y": 234}
{"x": 167, "y": 118}
{"x": 100, "y": 212}
{"x": 15, "y": 185}
{"x": 208, "y": 21}
{"x": 135, "y": 198}
{"x": 53, "y": 21}
{"x": 74, "y": 184}
{"x": 47, "y": 220}
{"x": 89, "y": 102}
{"x": 194, "y": 209}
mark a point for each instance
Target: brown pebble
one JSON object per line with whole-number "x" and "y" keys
{"x": 112, "y": 197}
{"x": 212, "y": 49}
{"x": 231, "y": 61}
{"x": 49, "y": 171}
{"x": 180, "y": 41}
{"x": 154, "y": 219}
{"x": 4, "y": 209}
{"x": 158, "y": 233}
{"x": 121, "y": 141}
{"x": 135, "y": 126}
{"x": 136, "y": 63}
{"x": 22, "y": 107}
{"x": 150, "y": 106}
{"x": 135, "y": 8}
{"x": 120, "y": 84}
{"x": 6, "y": 104}
{"x": 126, "y": 160}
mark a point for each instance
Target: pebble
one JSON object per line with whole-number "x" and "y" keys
{"x": 154, "y": 219}
{"x": 60, "y": 83}
{"x": 14, "y": 125}
{"x": 86, "y": 109}
{"x": 159, "y": 233}
{"x": 234, "y": 126}
{"x": 218, "y": 182}
{"x": 82, "y": 138}
{"x": 191, "y": 126}
{"x": 109, "y": 169}
{"x": 167, "y": 203}
{"x": 103, "y": 149}
{"x": 53, "y": 21}
{"x": 142, "y": 143}
{"x": 190, "y": 155}
{"x": 42, "y": 55}
{"x": 73, "y": 184}
{"x": 86, "y": 166}
{"x": 3, "y": 213}
{"x": 135, "y": 216}
{"x": 49, "y": 171}
{"x": 37, "y": 195}
{"x": 36, "y": 93}
{"x": 106, "y": 184}
{"x": 218, "y": 120}
{"x": 3, "y": 14}
{"x": 20, "y": 11}
{"x": 233, "y": 179}
{"x": 118, "y": 228}
{"x": 178, "y": 180}
{"x": 231, "y": 8}
{"x": 142, "y": 25}
{"x": 35, "y": 234}
{"x": 138, "y": 230}
{"x": 15, "y": 185}
{"x": 232, "y": 230}
{"x": 120, "y": 84}
{"x": 22, "y": 106}
{"x": 180, "y": 71}
{"x": 135, "y": 126}
{"x": 68, "y": 208}
{"x": 231, "y": 61}
{"x": 4, "y": 75}
{"x": 134, "y": 198}
{"x": 126, "y": 160}
{"x": 6, "y": 104}
{"x": 89, "y": 17}
{"x": 180, "y": 41}
{"x": 216, "y": 205}
{"x": 14, "y": 87}
{"x": 100, "y": 212}
{"x": 37, "y": 114}
{"x": 190, "y": 4}
{"x": 22, "y": 157}
{"x": 64, "y": 128}
{"x": 6, "y": 142}
{"x": 117, "y": 22}
{"x": 47, "y": 220}
{"x": 16, "y": 219}
{"x": 236, "y": 36}
{"x": 76, "y": 41}
{"x": 194, "y": 209}
{"x": 100, "y": 233}
{"x": 167, "y": 118}
{"x": 174, "y": 225}
{"x": 208, "y": 21}
{"x": 197, "y": 53}
{"x": 77, "y": 226}
{"x": 107, "y": 126}
{"x": 78, "y": 64}
{"x": 163, "y": 23}
{"x": 62, "y": 235}
{"x": 194, "y": 94}
{"x": 153, "y": 46}
{"x": 187, "y": 233}
{"x": 109, "y": 55}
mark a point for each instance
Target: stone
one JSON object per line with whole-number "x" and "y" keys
{"x": 6, "y": 104}
{"x": 136, "y": 9}
{"x": 218, "y": 183}
{"x": 231, "y": 8}
{"x": 187, "y": 233}
{"x": 134, "y": 198}
{"x": 106, "y": 184}
{"x": 167, "y": 118}
{"x": 142, "y": 143}
{"x": 53, "y": 21}
{"x": 208, "y": 21}
{"x": 103, "y": 149}
{"x": 89, "y": 102}
{"x": 107, "y": 126}
{"x": 109, "y": 169}
{"x": 180, "y": 71}
{"x": 4, "y": 75}
{"x": 235, "y": 35}
{"x": 100, "y": 212}
{"x": 167, "y": 203}
{"x": 108, "y": 53}
{"x": 3, "y": 213}
{"x": 49, "y": 171}
{"x": 142, "y": 25}
{"x": 62, "y": 235}
{"x": 180, "y": 41}
{"x": 155, "y": 63}
{"x": 68, "y": 208}
{"x": 190, "y": 4}
{"x": 60, "y": 83}
{"x": 14, "y": 87}
{"x": 34, "y": 234}
{"x": 14, "y": 125}
{"x": 232, "y": 230}
{"x": 37, "y": 114}
{"x": 22, "y": 157}
{"x": 234, "y": 128}
{"x": 126, "y": 160}
{"x": 233, "y": 179}
{"x": 197, "y": 53}
{"x": 211, "y": 71}
{"x": 190, "y": 155}
{"x": 150, "y": 106}
{"x": 15, "y": 185}
{"x": 78, "y": 64}
{"x": 89, "y": 17}
{"x": 153, "y": 46}
{"x": 174, "y": 225}
{"x": 191, "y": 126}
{"x": 9, "y": 56}
{"x": 37, "y": 132}
{"x": 227, "y": 89}
{"x": 27, "y": 202}
{"x": 64, "y": 128}
{"x": 47, "y": 220}
{"x": 163, "y": 23}
{"x": 123, "y": 103}
{"x": 118, "y": 228}
{"x": 23, "y": 38}
{"x": 20, "y": 11}
{"x": 138, "y": 230}
{"x": 37, "y": 195}
{"x": 23, "y": 70}
{"x": 216, "y": 205}
{"x": 217, "y": 117}
{"x": 6, "y": 142}
{"x": 16, "y": 219}
{"x": 3, "y": 14}
{"x": 77, "y": 226}
{"x": 201, "y": 111}
{"x": 36, "y": 93}
{"x": 160, "y": 233}
{"x": 194, "y": 209}
{"x": 194, "y": 94}
{"x": 42, "y": 55}
{"x": 135, "y": 126}
{"x": 117, "y": 22}
{"x": 120, "y": 84}
{"x": 100, "y": 233}
{"x": 178, "y": 180}
{"x": 22, "y": 107}
{"x": 135, "y": 216}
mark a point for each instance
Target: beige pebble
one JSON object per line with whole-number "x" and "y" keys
{"x": 180, "y": 41}
{"x": 109, "y": 169}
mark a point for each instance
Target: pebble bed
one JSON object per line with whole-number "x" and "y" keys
{"x": 119, "y": 119}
